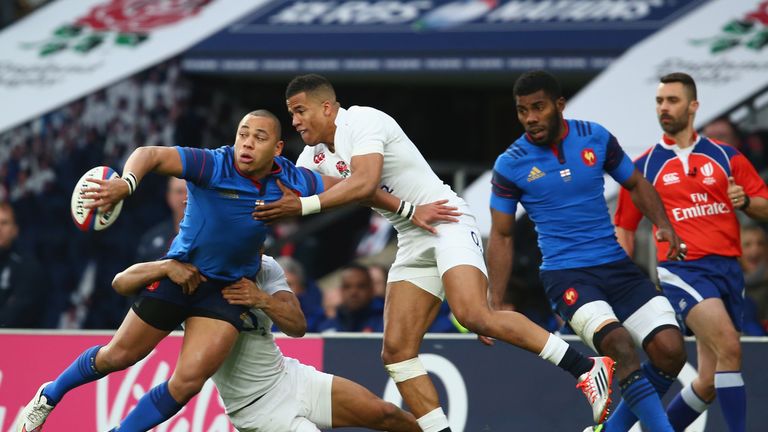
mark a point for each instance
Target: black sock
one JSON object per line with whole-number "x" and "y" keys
{"x": 575, "y": 363}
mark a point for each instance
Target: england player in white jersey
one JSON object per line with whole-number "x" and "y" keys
{"x": 369, "y": 150}
{"x": 262, "y": 390}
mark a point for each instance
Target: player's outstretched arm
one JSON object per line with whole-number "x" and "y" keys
{"x": 359, "y": 187}
{"x": 131, "y": 280}
{"x": 282, "y": 307}
{"x": 161, "y": 160}
{"x": 423, "y": 216}
{"x": 647, "y": 200}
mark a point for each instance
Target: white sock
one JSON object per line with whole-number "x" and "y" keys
{"x": 554, "y": 350}
{"x": 693, "y": 400}
{"x": 433, "y": 421}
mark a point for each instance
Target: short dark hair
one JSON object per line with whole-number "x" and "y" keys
{"x": 308, "y": 83}
{"x": 361, "y": 268}
{"x": 533, "y": 81}
{"x": 268, "y": 114}
{"x": 683, "y": 78}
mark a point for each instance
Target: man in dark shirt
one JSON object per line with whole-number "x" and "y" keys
{"x": 22, "y": 287}
{"x": 359, "y": 310}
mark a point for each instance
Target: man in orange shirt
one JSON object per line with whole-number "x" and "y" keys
{"x": 702, "y": 182}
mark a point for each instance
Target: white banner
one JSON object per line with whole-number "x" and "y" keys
{"x": 71, "y": 48}
{"x": 723, "y": 45}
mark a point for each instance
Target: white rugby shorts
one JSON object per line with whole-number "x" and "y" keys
{"x": 422, "y": 258}
{"x": 300, "y": 402}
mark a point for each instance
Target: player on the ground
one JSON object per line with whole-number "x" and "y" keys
{"x": 701, "y": 182}
{"x": 368, "y": 149}
{"x": 555, "y": 170}
{"x": 219, "y": 237}
{"x": 263, "y": 390}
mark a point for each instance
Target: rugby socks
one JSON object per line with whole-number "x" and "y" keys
{"x": 733, "y": 399}
{"x": 623, "y": 418}
{"x": 642, "y": 399}
{"x": 153, "y": 408}
{"x": 434, "y": 421}
{"x": 685, "y": 408}
{"x": 81, "y": 371}
{"x": 557, "y": 351}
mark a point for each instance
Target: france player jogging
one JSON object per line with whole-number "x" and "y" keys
{"x": 555, "y": 170}
{"x": 219, "y": 237}
{"x": 262, "y": 389}
{"x": 369, "y": 150}
{"x": 702, "y": 183}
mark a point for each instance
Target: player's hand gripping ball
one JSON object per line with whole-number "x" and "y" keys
{"x": 93, "y": 219}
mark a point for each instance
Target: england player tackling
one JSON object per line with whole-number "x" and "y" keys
{"x": 369, "y": 150}
{"x": 262, "y": 389}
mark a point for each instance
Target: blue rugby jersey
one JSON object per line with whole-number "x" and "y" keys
{"x": 562, "y": 188}
{"x": 218, "y": 235}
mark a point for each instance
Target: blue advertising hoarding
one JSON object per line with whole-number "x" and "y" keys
{"x": 432, "y": 35}
{"x": 502, "y": 388}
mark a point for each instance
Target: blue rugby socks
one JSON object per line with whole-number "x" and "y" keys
{"x": 733, "y": 399}
{"x": 623, "y": 418}
{"x": 642, "y": 399}
{"x": 155, "y": 407}
{"x": 685, "y": 408}
{"x": 81, "y": 371}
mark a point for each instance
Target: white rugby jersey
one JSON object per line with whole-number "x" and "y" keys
{"x": 405, "y": 174}
{"x": 255, "y": 364}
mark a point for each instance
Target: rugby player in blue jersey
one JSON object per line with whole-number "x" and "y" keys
{"x": 556, "y": 171}
{"x": 219, "y": 237}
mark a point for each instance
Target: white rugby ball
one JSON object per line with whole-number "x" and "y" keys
{"x": 92, "y": 219}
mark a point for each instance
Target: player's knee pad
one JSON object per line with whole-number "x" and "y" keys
{"x": 649, "y": 319}
{"x": 405, "y": 370}
{"x": 588, "y": 318}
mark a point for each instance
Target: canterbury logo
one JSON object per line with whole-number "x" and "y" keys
{"x": 535, "y": 174}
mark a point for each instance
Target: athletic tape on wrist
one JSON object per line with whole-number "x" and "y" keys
{"x": 310, "y": 205}
{"x": 130, "y": 179}
{"x": 405, "y": 370}
{"x": 406, "y": 209}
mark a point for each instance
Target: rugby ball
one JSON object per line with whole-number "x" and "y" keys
{"x": 92, "y": 219}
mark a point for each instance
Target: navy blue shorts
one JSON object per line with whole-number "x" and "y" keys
{"x": 207, "y": 301}
{"x": 621, "y": 284}
{"x": 686, "y": 283}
